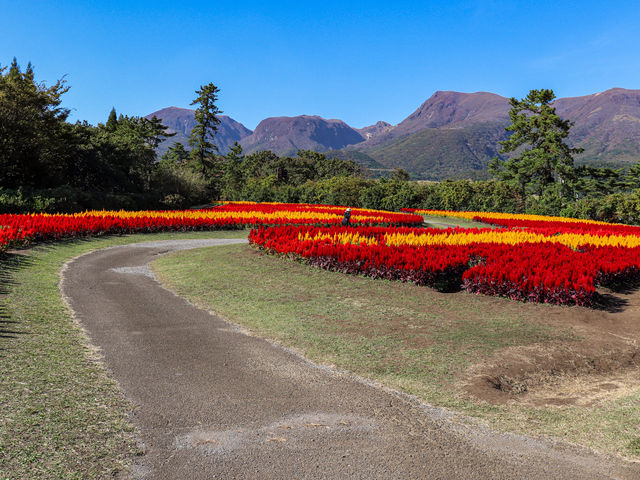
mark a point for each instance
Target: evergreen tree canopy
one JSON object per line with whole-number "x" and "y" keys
{"x": 632, "y": 177}
{"x": 32, "y": 128}
{"x": 176, "y": 155}
{"x": 206, "y": 125}
{"x": 594, "y": 181}
{"x": 112, "y": 121}
{"x": 542, "y": 161}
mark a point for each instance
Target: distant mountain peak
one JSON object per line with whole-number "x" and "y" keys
{"x": 454, "y": 109}
{"x": 286, "y": 135}
{"x": 182, "y": 120}
{"x": 376, "y": 130}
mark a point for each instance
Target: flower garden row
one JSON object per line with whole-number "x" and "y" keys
{"x": 538, "y": 222}
{"x": 524, "y": 257}
{"x": 16, "y": 230}
{"x": 540, "y": 259}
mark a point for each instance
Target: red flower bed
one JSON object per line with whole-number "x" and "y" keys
{"x": 538, "y": 272}
{"x": 435, "y": 268}
{"x": 15, "y": 229}
{"x": 562, "y": 227}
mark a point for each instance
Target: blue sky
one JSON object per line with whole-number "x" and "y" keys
{"x": 357, "y": 61}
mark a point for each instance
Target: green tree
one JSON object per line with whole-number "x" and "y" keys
{"x": 233, "y": 178}
{"x": 596, "y": 181}
{"x": 632, "y": 177}
{"x": 331, "y": 167}
{"x": 176, "y": 155}
{"x": 33, "y": 145}
{"x": 400, "y": 175}
{"x": 206, "y": 127}
{"x": 259, "y": 164}
{"x": 112, "y": 121}
{"x": 542, "y": 163}
{"x": 136, "y": 140}
{"x": 151, "y": 132}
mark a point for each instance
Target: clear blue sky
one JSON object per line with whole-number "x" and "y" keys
{"x": 357, "y": 61}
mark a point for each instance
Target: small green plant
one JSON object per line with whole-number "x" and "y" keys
{"x": 634, "y": 446}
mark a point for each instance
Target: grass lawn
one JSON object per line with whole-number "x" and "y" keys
{"x": 404, "y": 336}
{"x": 433, "y": 221}
{"x": 61, "y": 416}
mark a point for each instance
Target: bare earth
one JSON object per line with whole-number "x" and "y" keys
{"x": 213, "y": 402}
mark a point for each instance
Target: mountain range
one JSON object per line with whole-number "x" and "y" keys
{"x": 451, "y": 135}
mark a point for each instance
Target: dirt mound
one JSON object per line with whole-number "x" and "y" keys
{"x": 602, "y": 361}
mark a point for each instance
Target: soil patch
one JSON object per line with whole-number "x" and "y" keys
{"x": 603, "y": 363}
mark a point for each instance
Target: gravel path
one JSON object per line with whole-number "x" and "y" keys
{"x": 214, "y": 403}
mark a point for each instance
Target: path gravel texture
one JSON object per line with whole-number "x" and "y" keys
{"x": 214, "y": 403}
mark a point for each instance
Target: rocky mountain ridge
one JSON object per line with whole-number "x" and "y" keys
{"x": 451, "y": 133}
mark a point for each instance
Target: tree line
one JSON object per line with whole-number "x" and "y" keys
{"x": 50, "y": 164}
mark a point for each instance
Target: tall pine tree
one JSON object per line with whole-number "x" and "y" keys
{"x": 112, "y": 121}
{"x": 542, "y": 161}
{"x": 206, "y": 127}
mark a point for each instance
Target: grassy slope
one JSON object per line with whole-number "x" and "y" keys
{"x": 439, "y": 153}
{"x": 61, "y": 416}
{"x": 432, "y": 221}
{"x": 407, "y": 337}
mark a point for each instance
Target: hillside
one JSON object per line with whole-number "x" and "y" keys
{"x": 438, "y": 153}
{"x": 607, "y": 125}
{"x": 376, "y": 130}
{"x": 455, "y": 134}
{"x": 286, "y": 135}
{"x": 455, "y": 109}
{"x": 360, "y": 158}
{"x": 182, "y": 120}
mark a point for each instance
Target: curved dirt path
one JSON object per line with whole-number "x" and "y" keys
{"x": 213, "y": 402}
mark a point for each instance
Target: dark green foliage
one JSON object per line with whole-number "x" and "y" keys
{"x": 49, "y": 163}
{"x": 363, "y": 159}
{"x": 616, "y": 208}
{"x": 179, "y": 187}
{"x": 594, "y": 181}
{"x": 18, "y": 201}
{"x": 631, "y": 179}
{"x": 484, "y": 196}
{"x": 119, "y": 160}
{"x": 176, "y": 155}
{"x": 202, "y": 150}
{"x": 542, "y": 163}
{"x": 112, "y": 121}
{"x": 72, "y": 199}
{"x": 253, "y": 177}
{"x": 334, "y": 191}
{"x": 400, "y": 175}
{"x": 233, "y": 175}
{"x": 33, "y": 130}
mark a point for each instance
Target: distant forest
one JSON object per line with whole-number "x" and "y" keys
{"x": 51, "y": 165}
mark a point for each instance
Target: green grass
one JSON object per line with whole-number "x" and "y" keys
{"x": 61, "y": 416}
{"x": 434, "y": 221}
{"x": 384, "y": 329}
{"x": 406, "y": 337}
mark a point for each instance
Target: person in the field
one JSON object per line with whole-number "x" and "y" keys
{"x": 346, "y": 218}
